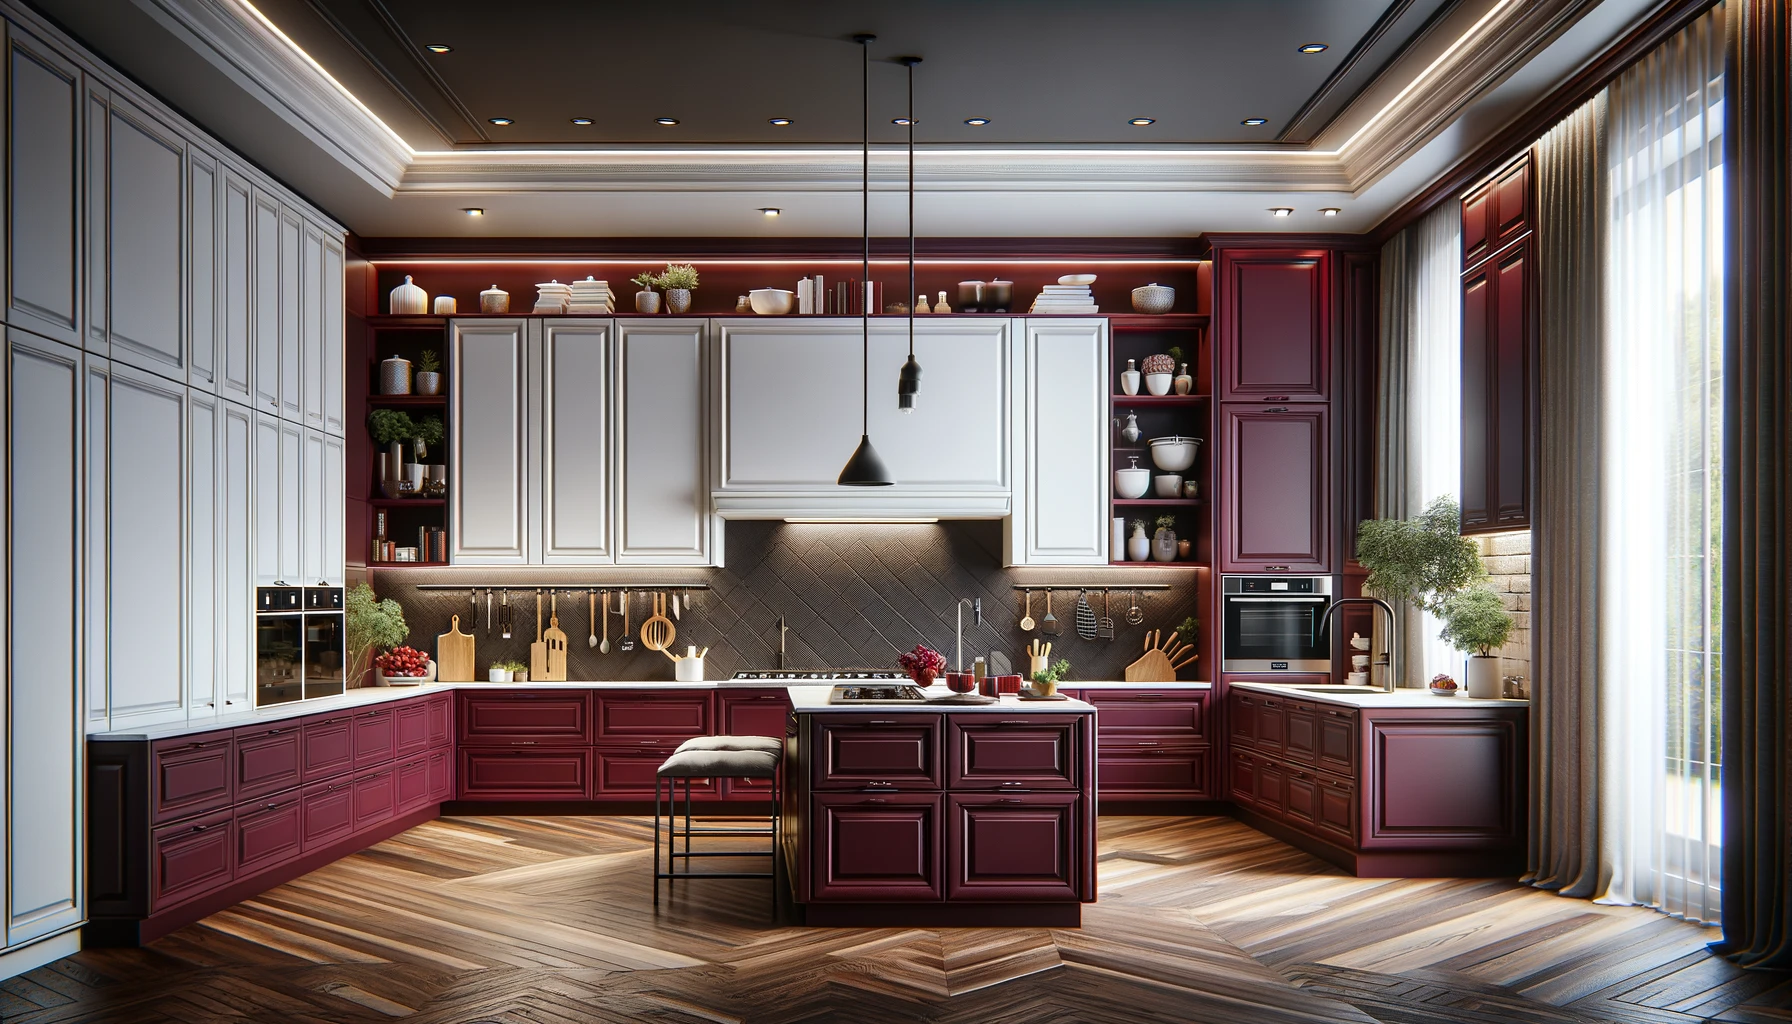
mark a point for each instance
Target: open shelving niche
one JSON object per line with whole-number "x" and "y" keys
{"x": 1190, "y": 415}
{"x": 405, "y": 336}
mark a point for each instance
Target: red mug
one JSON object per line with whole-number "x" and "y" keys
{"x": 1008, "y": 684}
{"x": 960, "y": 682}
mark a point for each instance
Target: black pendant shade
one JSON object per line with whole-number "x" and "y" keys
{"x": 909, "y": 385}
{"x": 866, "y": 468}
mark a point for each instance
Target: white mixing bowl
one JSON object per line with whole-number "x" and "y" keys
{"x": 771, "y": 301}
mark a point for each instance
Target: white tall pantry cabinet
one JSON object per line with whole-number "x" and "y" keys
{"x": 173, "y": 402}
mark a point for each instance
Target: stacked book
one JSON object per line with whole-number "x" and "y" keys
{"x": 552, "y": 297}
{"x": 1071, "y": 294}
{"x": 592, "y": 296}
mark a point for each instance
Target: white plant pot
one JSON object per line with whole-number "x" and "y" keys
{"x": 1483, "y": 676}
{"x": 1159, "y": 383}
{"x": 1138, "y": 547}
{"x": 497, "y": 675}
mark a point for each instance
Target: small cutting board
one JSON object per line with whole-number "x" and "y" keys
{"x": 556, "y": 641}
{"x": 538, "y": 651}
{"x": 454, "y": 654}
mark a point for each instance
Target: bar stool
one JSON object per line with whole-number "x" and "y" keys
{"x": 715, "y": 757}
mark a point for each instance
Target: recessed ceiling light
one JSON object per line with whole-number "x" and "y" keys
{"x": 1313, "y": 48}
{"x": 903, "y": 121}
{"x": 977, "y": 122}
{"x": 779, "y": 121}
{"x": 1281, "y": 211}
{"x": 668, "y": 121}
{"x": 581, "y": 120}
{"x": 474, "y": 211}
{"x": 438, "y": 48}
{"x": 501, "y": 120}
{"x": 1254, "y": 121}
{"x": 1143, "y": 121}
{"x": 1328, "y": 211}
{"x": 770, "y": 211}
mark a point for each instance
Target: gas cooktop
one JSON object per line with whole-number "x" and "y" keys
{"x": 859, "y": 694}
{"x": 822, "y": 675}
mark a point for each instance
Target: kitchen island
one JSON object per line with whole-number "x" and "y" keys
{"x": 924, "y": 814}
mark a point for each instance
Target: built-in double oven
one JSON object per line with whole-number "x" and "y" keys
{"x": 299, "y": 644}
{"x": 1275, "y": 624}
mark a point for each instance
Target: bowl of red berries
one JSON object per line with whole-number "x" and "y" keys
{"x": 922, "y": 664}
{"x": 403, "y": 666}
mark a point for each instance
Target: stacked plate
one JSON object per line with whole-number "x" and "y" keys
{"x": 552, "y": 297}
{"x": 1070, "y": 295}
{"x": 592, "y": 296}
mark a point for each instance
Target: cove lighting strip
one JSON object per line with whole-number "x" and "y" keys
{"x": 791, "y": 261}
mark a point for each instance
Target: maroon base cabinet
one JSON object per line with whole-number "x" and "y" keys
{"x": 1019, "y": 847}
{"x": 873, "y": 849}
{"x": 1154, "y": 748}
{"x": 1384, "y": 791}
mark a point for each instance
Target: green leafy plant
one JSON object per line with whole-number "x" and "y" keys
{"x": 370, "y": 624}
{"x": 1174, "y": 352}
{"x": 428, "y": 431}
{"x": 428, "y": 361}
{"x": 1189, "y": 630}
{"x": 648, "y": 280}
{"x": 511, "y": 666}
{"x": 387, "y": 426}
{"x": 1475, "y": 621}
{"x": 1058, "y": 670}
{"x": 1423, "y": 560}
{"x": 1138, "y": 524}
{"x": 679, "y": 275}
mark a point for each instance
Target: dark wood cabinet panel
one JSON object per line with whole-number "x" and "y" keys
{"x": 1300, "y": 735}
{"x": 1019, "y": 847}
{"x": 876, "y": 848}
{"x": 190, "y": 775}
{"x": 1300, "y": 804}
{"x": 627, "y": 716}
{"x": 539, "y": 717}
{"x": 376, "y": 796}
{"x": 327, "y": 812}
{"x": 1513, "y": 334}
{"x": 629, "y": 773}
{"x": 1013, "y": 752}
{"x": 516, "y": 773}
{"x": 190, "y": 858}
{"x": 1149, "y": 712}
{"x": 1356, "y": 353}
{"x": 1497, "y": 212}
{"x": 1274, "y": 325}
{"x": 1440, "y": 781}
{"x": 410, "y": 725}
{"x": 1242, "y": 778}
{"x": 441, "y": 775}
{"x": 441, "y": 720}
{"x": 1499, "y": 331}
{"x": 1338, "y": 814}
{"x": 856, "y": 751}
{"x": 1271, "y": 788}
{"x": 268, "y": 833}
{"x": 328, "y": 747}
{"x": 1337, "y": 741}
{"x": 1276, "y": 481}
{"x": 374, "y": 737}
{"x": 1478, "y": 306}
{"x": 267, "y": 760}
{"x": 754, "y": 713}
{"x": 411, "y": 783}
{"x": 1145, "y": 770}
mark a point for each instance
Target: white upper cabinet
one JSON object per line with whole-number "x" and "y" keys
{"x": 662, "y": 471}
{"x": 291, "y": 302}
{"x": 44, "y": 101}
{"x": 293, "y": 519}
{"x": 202, "y": 270}
{"x": 236, "y": 587}
{"x": 264, "y": 300}
{"x": 955, "y": 441}
{"x": 265, "y": 528}
{"x": 489, "y": 442}
{"x": 311, "y": 326}
{"x": 236, "y": 361}
{"x": 1060, "y": 446}
{"x": 791, "y": 407}
{"x": 96, "y": 513}
{"x": 95, "y": 166}
{"x": 333, "y": 327}
{"x": 332, "y": 500}
{"x": 145, "y": 207}
{"x": 204, "y": 544}
{"x": 311, "y": 510}
{"x": 575, "y": 442}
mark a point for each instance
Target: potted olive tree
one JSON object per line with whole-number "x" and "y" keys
{"x": 1477, "y": 624}
{"x": 369, "y": 625}
{"x": 1424, "y": 560}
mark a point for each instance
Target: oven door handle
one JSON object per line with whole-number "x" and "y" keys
{"x": 1270, "y": 597}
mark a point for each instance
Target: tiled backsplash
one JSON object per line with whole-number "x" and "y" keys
{"x": 853, "y": 595}
{"x": 1508, "y": 559}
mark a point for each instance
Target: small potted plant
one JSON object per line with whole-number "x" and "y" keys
{"x": 1443, "y": 685}
{"x": 647, "y": 300}
{"x": 1163, "y": 542}
{"x": 519, "y": 672}
{"x": 369, "y": 624}
{"x": 678, "y": 282}
{"x": 1138, "y": 546}
{"x": 1477, "y": 623}
{"x": 922, "y": 664}
{"x": 504, "y": 671}
{"x": 428, "y": 380}
{"x": 1045, "y": 681}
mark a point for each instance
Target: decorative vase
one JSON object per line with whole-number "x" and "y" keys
{"x": 395, "y": 376}
{"x": 743, "y": 305}
{"x": 1483, "y": 676}
{"x": 647, "y": 302}
{"x": 1153, "y": 298}
{"x": 1163, "y": 545}
{"x": 408, "y": 300}
{"x": 1191, "y": 489}
{"x": 1042, "y": 687}
{"x": 446, "y": 306}
{"x": 494, "y": 300}
{"x": 1157, "y": 383}
{"x": 1117, "y": 543}
{"x": 1138, "y": 546}
{"x": 1129, "y": 379}
{"x": 429, "y": 382}
{"x": 1131, "y": 431}
{"x": 388, "y": 476}
{"x": 392, "y": 484}
{"x": 921, "y": 677}
{"x": 1183, "y": 547}
{"x": 1183, "y": 382}
{"x": 678, "y": 300}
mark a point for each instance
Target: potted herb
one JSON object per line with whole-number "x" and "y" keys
{"x": 369, "y": 624}
{"x": 1163, "y": 542}
{"x": 1476, "y": 623}
{"x": 1138, "y": 546}
{"x": 429, "y": 373}
{"x": 425, "y": 432}
{"x": 1424, "y": 560}
{"x": 390, "y": 428}
{"x": 504, "y": 671}
{"x": 647, "y": 300}
{"x": 678, "y": 281}
{"x": 1045, "y": 680}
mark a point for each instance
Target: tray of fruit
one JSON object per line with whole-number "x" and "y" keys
{"x": 403, "y": 666}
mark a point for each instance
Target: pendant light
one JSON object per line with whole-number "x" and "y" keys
{"x": 866, "y": 468}
{"x": 908, "y": 386}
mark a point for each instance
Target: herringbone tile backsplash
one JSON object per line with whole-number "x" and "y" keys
{"x": 853, "y": 596}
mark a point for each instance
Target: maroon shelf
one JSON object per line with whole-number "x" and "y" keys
{"x": 407, "y": 502}
{"x": 414, "y": 565}
{"x": 1158, "y": 502}
{"x": 1160, "y": 565}
{"x": 1157, "y": 321}
{"x": 408, "y": 401}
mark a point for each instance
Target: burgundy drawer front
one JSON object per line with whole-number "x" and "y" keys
{"x": 1337, "y": 741}
{"x": 539, "y": 717}
{"x": 374, "y": 737}
{"x": 513, "y": 773}
{"x": 410, "y": 722}
{"x": 413, "y": 783}
{"x": 190, "y": 776}
{"x": 1152, "y": 711}
{"x": 1338, "y": 815}
{"x": 743, "y": 789}
{"x": 1145, "y": 773}
{"x": 441, "y": 776}
{"x": 758, "y": 713}
{"x": 190, "y": 858}
{"x": 1019, "y": 752}
{"x": 626, "y": 716}
{"x": 267, "y": 833}
{"x": 326, "y": 812}
{"x": 857, "y": 751}
{"x": 1021, "y": 847}
{"x": 1300, "y": 798}
{"x": 328, "y": 747}
{"x": 629, "y": 772}
{"x": 441, "y": 720}
{"x": 1242, "y": 778}
{"x": 1241, "y": 719}
{"x": 267, "y": 760}
{"x": 376, "y": 796}
{"x": 885, "y": 847}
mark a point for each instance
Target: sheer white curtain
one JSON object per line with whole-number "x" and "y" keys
{"x": 1663, "y": 480}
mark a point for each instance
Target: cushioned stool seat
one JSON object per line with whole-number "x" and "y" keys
{"x": 720, "y": 764}
{"x": 765, "y": 743}
{"x": 716, "y": 757}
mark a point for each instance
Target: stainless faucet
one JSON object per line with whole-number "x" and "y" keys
{"x": 1386, "y": 660}
{"x": 782, "y": 629}
{"x": 976, "y": 604}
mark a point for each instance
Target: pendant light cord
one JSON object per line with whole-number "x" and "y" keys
{"x": 913, "y": 297}
{"x": 865, "y": 42}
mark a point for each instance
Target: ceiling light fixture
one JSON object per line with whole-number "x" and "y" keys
{"x": 501, "y": 120}
{"x": 1328, "y": 211}
{"x": 1313, "y": 48}
{"x": 908, "y": 384}
{"x": 770, "y": 211}
{"x": 1253, "y": 122}
{"x": 474, "y": 211}
{"x": 581, "y": 120}
{"x": 976, "y": 122}
{"x": 1281, "y": 211}
{"x": 779, "y": 121}
{"x": 1143, "y": 121}
{"x": 907, "y": 121}
{"x": 438, "y": 48}
{"x": 866, "y": 468}
{"x": 667, "y": 121}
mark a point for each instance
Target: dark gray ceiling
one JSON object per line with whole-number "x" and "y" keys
{"x": 1043, "y": 71}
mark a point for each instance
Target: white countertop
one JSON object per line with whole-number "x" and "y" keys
{"x": 815, "y": 698}
{"x": 1400, "y": 698}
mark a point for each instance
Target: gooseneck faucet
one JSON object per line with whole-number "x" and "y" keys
{"x": 1387, "y": 657}
{"x": 976, "y": 604}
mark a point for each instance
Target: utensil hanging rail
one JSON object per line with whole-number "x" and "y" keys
{"x": 568, "y": 588}
{"x": 1097, "y": 588}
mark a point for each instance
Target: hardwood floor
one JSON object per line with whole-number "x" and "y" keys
{"x": 550, "y": 921}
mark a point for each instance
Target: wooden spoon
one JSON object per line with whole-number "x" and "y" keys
{"x": 1026, "y": 619}
{"x": 591, "y": 604}
{"x": 604, "y": 648}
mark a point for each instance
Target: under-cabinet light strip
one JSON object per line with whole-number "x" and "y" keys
{"x": 790, "y": 261}
{"x": 1102, "y": 587}
{"x": 545, "y": 587}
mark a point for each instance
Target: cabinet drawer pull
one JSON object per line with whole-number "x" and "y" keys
{"x": 1009, "y": 800}
{"x": 1244, "y": 700}
{"x": 522, "y": 743}
{"x": 1008, "y": 785}
{"x": 877, "y": 800}
{"x": 1147, "y": 743}
{"x": 878, "y": 786}
{"x": 1271, "y": 704}
{"x": 880, "y": 722}
{"x": 1337, "y": 714}
{"x": 200, "y": 828}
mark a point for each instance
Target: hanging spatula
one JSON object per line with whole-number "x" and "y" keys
{"x": 1105, "y": 627}
{"x": 1085, "y": 617}
{"x": 1050, "y": 625}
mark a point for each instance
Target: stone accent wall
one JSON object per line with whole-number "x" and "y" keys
{"x": 1508, "y": 558}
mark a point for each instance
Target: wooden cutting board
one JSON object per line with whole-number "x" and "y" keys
{"x": 538, "y": 651}
{"x": 454, "y": 655}
{"x": 556, "y": 641}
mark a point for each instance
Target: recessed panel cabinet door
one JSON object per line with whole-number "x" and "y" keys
{"x": 662, "y": 389}
{"x": 956, "y": 439}
{"x": 236, "y": 589}
{"x": 1277, "y": 489}
{"x": 97, "y": 378}
{"x": 489, "y": 443}
{"x": 1014, "y": 847}
{"x": 264, "y": 300}
{"x": 877, "y": 848}
{"x": 782, "y": 427}
{"x": 311, "y": 510}
{"x": 333, "y": 331}
{"x": 202, "y": 270}
{"x": 575, "y": 442}
{"x": 236, "y": 356}
{"x": 331, "y": 505}
{"x": 1060, "y": 504}
{"x": 266, "y": 491}
{"x": 148, "y": 544}
{"x": 292, "y": 516}
{"x": 291, "y": 302}
{"x": 42, "y": 731}
{"x": 1273, "y": 325}
{"x": 146, "y": 192}
{"x": 204, "y": 543}
{"x": 43, "y": 152}
{"x": 311, "y": 326}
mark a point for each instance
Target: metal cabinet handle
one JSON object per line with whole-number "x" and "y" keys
{"x": 880, "y": 785}
{"x": 881, "y": 722}
{"x": 200, "y": 828}
{"x": 522, "y": 743}
{"x": 1244, "y": 700}
{"x": 1009, "y": 800}
{"x": 1008, "y": 785}
{"x": 877, "y": 800}
{"x": 1147, "y": 743}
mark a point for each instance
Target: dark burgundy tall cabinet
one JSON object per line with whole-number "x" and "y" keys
{"x": 1499, "y": 337}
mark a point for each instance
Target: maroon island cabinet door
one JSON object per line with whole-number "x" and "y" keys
{"x": 525, "y": 773}
{"x": 876, "y": 847}
{"x": 751, "y": 713}
{"x": 410, "y": 721}
{"x": 328, "y": 746}
{"x": 374, "y": 737}
{"x": 189, "y": 858}
{"x": 1277, "y": 488}
{"x": 998, "y": 751}
{"x": 1274, "y": 325}
{"x": 856, "y": 751}
{"x": 1014, "y": 847}
{"x": 1497, "y": 337}
{"x": 190, "y": 775}
{"x": 537, "y": 717}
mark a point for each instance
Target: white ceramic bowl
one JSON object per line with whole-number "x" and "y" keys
{"x": 1153, "y": 298}
{"x": 1077, "y": 279}
{"x": 1174, "y": 454}
{"x": 770, "y": 301}
{"x": 1159, "y": 383}
{"x": 1132, "y": 483}
{"x": 1169, "y": 485}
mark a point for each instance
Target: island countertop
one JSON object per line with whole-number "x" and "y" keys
{"x": 812, "y": 699}
{"x": 1404, "y": 697}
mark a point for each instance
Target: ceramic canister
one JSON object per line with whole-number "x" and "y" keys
{"x": 409, "y": 300}
{"x": 445, "y": 305}
{"x": 395, "y": 376}
{"x": 494, "y": 300}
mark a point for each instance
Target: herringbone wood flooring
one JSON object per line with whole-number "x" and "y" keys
{"x": 550, "y": 921}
